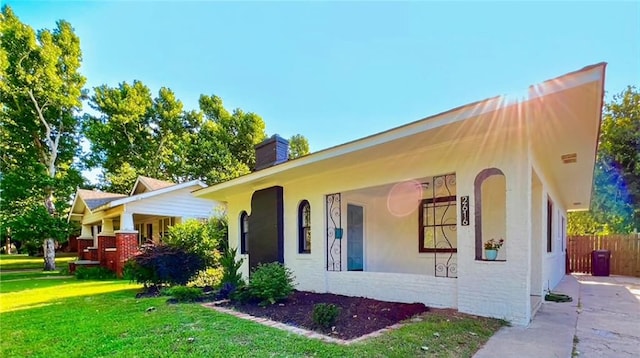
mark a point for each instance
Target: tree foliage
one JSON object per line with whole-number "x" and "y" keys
{"x": 616, "y": 197}
{"x": 135, "y": 134}
{"x": 298, "y": 146}
{"x": 41, "y": 93}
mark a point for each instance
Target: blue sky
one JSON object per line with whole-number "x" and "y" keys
{"x": 338, "y": 71}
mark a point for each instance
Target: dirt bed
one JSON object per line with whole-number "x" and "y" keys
{"x": 358, "y": 315}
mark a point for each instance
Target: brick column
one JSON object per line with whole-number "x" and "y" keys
{"x": 104, "y": 242}
{"x": 83, "y": 243}
{"x": 126, "y": 248}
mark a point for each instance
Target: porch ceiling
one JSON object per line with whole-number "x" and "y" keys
{"x": 567, "y": 123}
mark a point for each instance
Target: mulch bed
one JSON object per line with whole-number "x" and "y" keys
{"x": 358, "y": 315}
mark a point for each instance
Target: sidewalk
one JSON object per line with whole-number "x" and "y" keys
{"x": 604, "y": 317}
{"x": 550, "y": 334}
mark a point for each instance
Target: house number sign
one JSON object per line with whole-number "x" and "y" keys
{"x": 464, "y": 210}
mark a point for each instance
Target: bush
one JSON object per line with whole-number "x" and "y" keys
{"x": 209, "y": 277}
{"x": 230, "y": 267}
{"x": 184, "y": 293}
{"x": 325, "y": 315}
{"x": 195, "y": 237}
{"x": 94, "y": 273}
{"x": 163, "y": 264}
{"x": 270, "y": 283}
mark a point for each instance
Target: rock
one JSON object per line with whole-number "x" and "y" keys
{"x": 416, "y": 319}
{"x": 355, "y": 316}
{"x": 190, "y": 339}
{"x": 424, "y": 348}
{"x": 151, "y": 309}
{"x": 436, "y": 334}
{"x": 473, "y": 333}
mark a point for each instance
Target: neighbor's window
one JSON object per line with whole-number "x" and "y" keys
{"x": 549, "y": 224}
{"x": 244, "y": 233}
{"x": 165, "y": 224}
{"x": 304, "y": 227}
{"x": 438, "y": 215}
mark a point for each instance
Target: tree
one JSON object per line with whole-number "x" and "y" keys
{"x": 616, "y": 199}
{"x": 136, "y": 134}
{"x": 41, "y": 95}
{"x": 298, "y": 146}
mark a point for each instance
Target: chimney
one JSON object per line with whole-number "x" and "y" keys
{"x": 271, "y": 151}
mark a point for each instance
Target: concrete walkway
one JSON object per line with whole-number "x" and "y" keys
{"x": 604, "y": 318}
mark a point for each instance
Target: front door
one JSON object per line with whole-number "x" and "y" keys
{"x": 355, "y": 237}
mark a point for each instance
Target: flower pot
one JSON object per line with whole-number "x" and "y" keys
{"x": 491, "y": 254}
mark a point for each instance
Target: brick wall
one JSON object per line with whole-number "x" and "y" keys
{"x": 103, "y": 243}
{"x": 126, "y": 248}
{"x": 84, "y": 243}
{"x": 111, "y": 259}
{"x": 93, "y": 254}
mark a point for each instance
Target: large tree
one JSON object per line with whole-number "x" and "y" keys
{"x": 41, "y": 94}
{"x": 616, "y": 196}
{"x": 135, "y": 134}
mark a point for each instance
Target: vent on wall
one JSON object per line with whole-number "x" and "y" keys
{"x": 569, "y": 158}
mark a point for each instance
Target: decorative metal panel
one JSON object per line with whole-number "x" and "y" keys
{"x": 444, "y": 230}
{"x": 334, "y": 244}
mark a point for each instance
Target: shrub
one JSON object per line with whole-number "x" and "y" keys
{"x": 230, "y": 267}
{"x": 325, "y": 315}
{"x": 163, "y": 264}
{"x": 209, "y": 277}
{"x": 270, "y": 283}
{"x": 94, "y": 273}
{"x": 194, "y": 237}
{"x": 184, "y": 293}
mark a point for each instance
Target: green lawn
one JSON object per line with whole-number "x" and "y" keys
{"x": 58, "y": 317}
{"x": 24, "y": 262}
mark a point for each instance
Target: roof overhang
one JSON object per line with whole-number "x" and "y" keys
{"x": 150, "y": 194}
{"x": 553, "y": 110}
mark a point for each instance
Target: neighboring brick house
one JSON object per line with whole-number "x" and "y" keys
{"x": 403, "y": 215}
{"x": 115, "y": 225}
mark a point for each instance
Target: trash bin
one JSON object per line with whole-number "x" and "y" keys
{"x": 600, "y": 262}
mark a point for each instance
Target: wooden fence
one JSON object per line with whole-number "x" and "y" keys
{"x": 625, "y": 253}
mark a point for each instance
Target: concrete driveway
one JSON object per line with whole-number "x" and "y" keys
{"x": 602, "y": 321}
{"x": 609, "y": 316}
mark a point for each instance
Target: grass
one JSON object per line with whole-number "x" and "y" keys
{"x": 59, "y": 317}
{"x": 24, "y": 262}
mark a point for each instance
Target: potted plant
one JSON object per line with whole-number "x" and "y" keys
{"x": 491, "y": 248}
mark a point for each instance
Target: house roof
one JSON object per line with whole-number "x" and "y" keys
{"x": 589, "y": 79}
{"x": 94, "y": 198}
{"x": 143, "y": 188}
{"x": 145, "y": 184}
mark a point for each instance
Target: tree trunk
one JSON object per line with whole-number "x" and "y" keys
{"x": 49, "y": 255}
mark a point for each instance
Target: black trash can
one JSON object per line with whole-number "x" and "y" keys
{"x": 600, "y": 262}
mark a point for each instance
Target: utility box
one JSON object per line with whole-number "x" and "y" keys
{"x": 600, "y": 262}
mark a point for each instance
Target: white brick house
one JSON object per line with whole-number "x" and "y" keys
{"x": 403, "y": 215}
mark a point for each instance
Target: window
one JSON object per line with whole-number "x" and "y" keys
{"x": 549, "y": 224}
{"x": 304, "y": 227}
{"x": 438, "y": 215}
{"x": 244, "y": 233}
{"x": 139, "y": 229}
{"x": 165, "y": 224}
